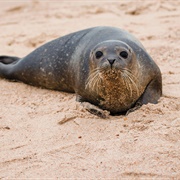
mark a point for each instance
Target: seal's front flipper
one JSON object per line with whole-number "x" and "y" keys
{"x": 8, "y": 59}
{"x": 95, "y": 110}
{"x": 137, "y": 106}
{"x": 152, "y": 92}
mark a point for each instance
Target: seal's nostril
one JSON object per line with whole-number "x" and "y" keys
{"x": 111, "y": 61}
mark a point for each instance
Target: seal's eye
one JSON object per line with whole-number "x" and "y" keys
{"x": 99, "y": 54}
{"x": 124, "y": 54}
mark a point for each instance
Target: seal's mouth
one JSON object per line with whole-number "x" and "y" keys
{"x": 99, "y": 76}
{"x": 110, "y": 73}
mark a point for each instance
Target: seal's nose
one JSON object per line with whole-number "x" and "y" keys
{"x": 111, "y": 61}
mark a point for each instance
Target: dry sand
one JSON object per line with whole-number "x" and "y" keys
{"x": 33, "y": 144}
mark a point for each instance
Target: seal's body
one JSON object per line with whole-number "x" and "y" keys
{"x": 105, "y": 66}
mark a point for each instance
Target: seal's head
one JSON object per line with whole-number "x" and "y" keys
{"x": 113, "y": 75}
{"x": 112, "y": 58}
{"x": 112, "y": 64}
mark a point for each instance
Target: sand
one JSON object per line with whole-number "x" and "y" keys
{"x": 33, "y": 142}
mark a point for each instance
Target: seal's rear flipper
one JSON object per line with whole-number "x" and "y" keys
{"x": 6, "y": 66}
{"x": 8, "y": 59}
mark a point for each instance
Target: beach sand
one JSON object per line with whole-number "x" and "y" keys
{"x": 34, "y": 143}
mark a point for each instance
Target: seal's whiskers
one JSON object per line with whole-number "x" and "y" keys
{"x": 93, "y": 80}
{"x": 128, "y": 85}
{"x": 130, "y": 77}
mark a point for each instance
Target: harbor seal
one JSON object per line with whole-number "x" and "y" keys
{"x": 108, "y": 68}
